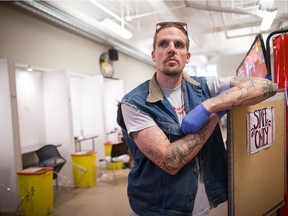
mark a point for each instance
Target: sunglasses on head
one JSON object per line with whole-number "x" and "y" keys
{"x": 180, "y": 24}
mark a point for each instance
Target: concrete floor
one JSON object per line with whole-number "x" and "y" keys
{"x": 105, "y": 199}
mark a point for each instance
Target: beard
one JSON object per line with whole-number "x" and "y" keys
{"x": 172, "y": 71}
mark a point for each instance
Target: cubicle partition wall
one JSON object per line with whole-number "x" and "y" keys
{"x": 10, "y": 154}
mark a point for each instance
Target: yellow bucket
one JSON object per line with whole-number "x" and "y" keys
{"x": 35, "y": 185}
{"x": 84, "y": 168}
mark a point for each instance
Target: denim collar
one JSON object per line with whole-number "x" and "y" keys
{"x": 155, "y": 92}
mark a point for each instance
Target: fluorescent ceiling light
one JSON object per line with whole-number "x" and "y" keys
{"x": 267, "y": 18}
{"x": 114, "y": 27}
{"x": 29, "y": 68}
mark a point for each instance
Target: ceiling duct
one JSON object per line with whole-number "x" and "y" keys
{"x": 64, "y": 20}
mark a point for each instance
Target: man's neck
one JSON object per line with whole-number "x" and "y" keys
{"x": 169, "y": 81}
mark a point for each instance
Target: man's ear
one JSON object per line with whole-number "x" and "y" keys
{"x": 153, "y": 56}
{"x": 188, "y": 57}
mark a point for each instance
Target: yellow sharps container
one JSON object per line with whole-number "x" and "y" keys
{"x": 109, "y": 165}
{"x": 35, "y": 185}
{"x": 84, "y": 168}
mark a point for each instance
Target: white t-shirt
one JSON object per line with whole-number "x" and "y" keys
{"x": 175, "y": 98}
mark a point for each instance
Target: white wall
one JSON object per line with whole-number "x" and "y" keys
{"x": 132, "y": 72}
{"x": 94, "y": 108}
{"x": 58, "y": 115}
{"x": 88, "y": 111}
{"x": 32, "y": 41}
{"x": 227, "y": 65}
{"x": 76, "y": 98}
{"x": 30, "y": 107}
{"x": 112, "y": 94}
{"x": 10, "y": 155}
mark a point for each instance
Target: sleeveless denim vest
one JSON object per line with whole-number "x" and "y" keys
{"x": 152, "y": 191}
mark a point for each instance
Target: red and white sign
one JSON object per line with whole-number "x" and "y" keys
{"x": 261, "y": 129}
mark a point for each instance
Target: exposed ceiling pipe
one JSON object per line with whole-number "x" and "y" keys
{"x": 215, "y": 36}
{"x": 222, "y": 10}
{"x": 137, "y": 16}
{"x": 267, "y": 4}
{"x": 224, "y": 23}
{"x": 228, "y": 10}
{"x": 56, "y": 16}
{"x": 217, "y": 9}
{"x": 121, "y": 19}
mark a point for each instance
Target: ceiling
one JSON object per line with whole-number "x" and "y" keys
{"x": 216, "y": 27}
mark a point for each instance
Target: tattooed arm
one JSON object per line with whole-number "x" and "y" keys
{"x": 244, "y": 91}
{"x": 171, "y": 157}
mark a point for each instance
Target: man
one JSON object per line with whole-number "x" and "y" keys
{"x": 180, "y": 168}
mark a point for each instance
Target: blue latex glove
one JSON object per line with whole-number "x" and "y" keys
{"x": 195, "y": 119}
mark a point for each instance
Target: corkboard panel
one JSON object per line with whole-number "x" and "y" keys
{"x": 256, "y": 181}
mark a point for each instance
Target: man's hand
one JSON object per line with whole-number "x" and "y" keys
{"x": 195, "y": 119}
{"x": 198, "y": 117}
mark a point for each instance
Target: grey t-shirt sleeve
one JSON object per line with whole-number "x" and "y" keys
{"x": 217, "y": 84}
{"x": 135, "y": 120}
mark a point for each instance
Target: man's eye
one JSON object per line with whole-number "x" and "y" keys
{"x": 163, "y": 44}
{"x": 179, "y": 45}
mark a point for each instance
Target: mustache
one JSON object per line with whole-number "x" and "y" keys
{"x": 169, "y": 58}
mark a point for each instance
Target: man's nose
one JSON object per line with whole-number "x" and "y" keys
{"x": 171, "y": 49}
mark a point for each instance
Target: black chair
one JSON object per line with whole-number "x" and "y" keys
{"x": 49, "y": 156}
{"x": 118, "y": 150}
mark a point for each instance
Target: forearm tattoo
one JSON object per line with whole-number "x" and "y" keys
{"x": 171, "y": 156}
{"x": 182, "y": 149}
{"x": 268, "y": 87}
{"x": 248, "y": 89}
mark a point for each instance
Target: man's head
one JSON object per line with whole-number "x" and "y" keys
{"x": 180, "y": 25}
{"x": 170, "y": 48}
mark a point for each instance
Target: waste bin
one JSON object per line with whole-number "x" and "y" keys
{"x": 35, "y": 185}
{"x": 84, "y": 168}
{"x": 109, "y": 165}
